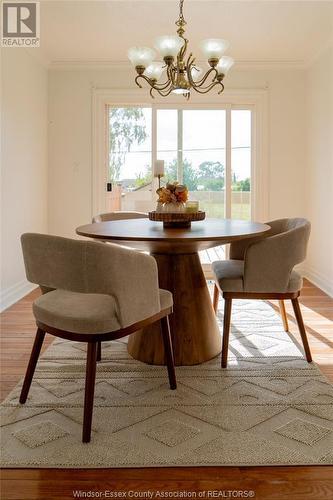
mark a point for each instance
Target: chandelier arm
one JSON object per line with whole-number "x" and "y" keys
{"x": 215, "y": 79}
{"x": 165, "y": 94}
{"x": 182, "y": 52}
{"x": 190, "y": 61}
{"x": 162, "y": 87}
{"x": 167, "y": 82}
{"x": 144, "y": 77}
{"x": 151, "y": 83}
{"x": 189, "y": 67}
{"x": 222, "y": 88}
{"x": 204, "y": 78}
{"x": 171, "y": 70}
{"x": 189, "y": 74}
{"x": 208, "y": 88}
{"x": 211, "y": 84}
{"x": 137, "y": 81}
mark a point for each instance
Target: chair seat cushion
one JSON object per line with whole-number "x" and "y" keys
{"x": 77, "y": 312}
{"x": 83, "y": 312}
{"x": 229, "y": 275}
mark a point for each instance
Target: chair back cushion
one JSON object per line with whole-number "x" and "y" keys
{"x": 55, "y": 262}
{"x": 119, "y": 216}
{"x": 270, "y": 260}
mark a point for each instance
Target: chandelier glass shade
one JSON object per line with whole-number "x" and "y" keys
{"x": 182, "y": 74}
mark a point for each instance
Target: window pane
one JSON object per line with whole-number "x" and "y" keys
{"x": 241, "y": 164}
{"x": 166, "y": 130}
{"x": 167, "y": 120}
{"x": 204, "y": 158}
{"x": 130, "y": 145}
{"x": 204, "y": 176}
{"x": 204, "y": 129}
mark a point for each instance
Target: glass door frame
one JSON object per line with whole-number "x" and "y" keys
{"x": 228, "y": 108}
{"x": 255, "y": 100}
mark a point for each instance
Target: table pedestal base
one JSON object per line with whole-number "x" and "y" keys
{"x": 195, "y": 333}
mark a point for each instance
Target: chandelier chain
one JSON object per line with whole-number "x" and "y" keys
{"x": 181, "y": 15}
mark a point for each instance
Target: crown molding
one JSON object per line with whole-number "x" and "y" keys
{"x": 77, "y": 65}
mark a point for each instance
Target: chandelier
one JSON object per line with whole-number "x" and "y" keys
{"x": 182, "y": 74}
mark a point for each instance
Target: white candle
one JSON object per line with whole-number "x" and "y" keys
{"x": 159, "y": 168}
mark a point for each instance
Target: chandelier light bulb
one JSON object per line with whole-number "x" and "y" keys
{"x": 154, "y": 70}
{"x": 141, "y": 56}
{"x": 168, "y": 46}
{"x": 213, "y": 48}
{"x": 224, "y": 65}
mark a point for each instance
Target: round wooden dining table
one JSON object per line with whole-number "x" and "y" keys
{"x": 195, "y": 332}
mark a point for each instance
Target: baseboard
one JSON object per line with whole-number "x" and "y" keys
{"x": 14, "y": 293}
{"x": 318, "y": 279}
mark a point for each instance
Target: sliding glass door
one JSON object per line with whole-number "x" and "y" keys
{"x": 207, "y": 149}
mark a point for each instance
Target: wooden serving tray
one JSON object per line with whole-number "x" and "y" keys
{"x": 176, "y": 219}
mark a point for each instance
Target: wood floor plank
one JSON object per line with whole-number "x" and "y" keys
{"x": 268, "y": 483}
{"x": 265, "y": 484}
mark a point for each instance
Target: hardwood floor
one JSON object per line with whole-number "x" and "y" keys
{"x": 267, "y": 483}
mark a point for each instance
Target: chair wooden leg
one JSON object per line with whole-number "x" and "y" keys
{"x": 89, "y": 391}
{"x": 165, "y": 326}
{"x": 299, "y": 319}
{"x": 99, "y": 351}
{"x": 284, "y": 315}
{"x": 215, "y": 298}
{"x": 226, "y": 331}
{"x": 32, "y": 364}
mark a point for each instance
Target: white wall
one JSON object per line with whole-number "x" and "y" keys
{"x": 23, "y": 164}
{"x": 70, "y": 145}
{"x": 319, "y": 173}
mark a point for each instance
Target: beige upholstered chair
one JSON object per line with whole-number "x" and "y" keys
{"x": 262, "y": 268}
{"x": 117, "y": 215}
{"x": 93, "y": 292}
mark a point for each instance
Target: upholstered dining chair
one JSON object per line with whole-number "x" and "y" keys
{"x": 262, "y": 268}
{"x": 92, "y": 292}
{"x": 118, "y": 215}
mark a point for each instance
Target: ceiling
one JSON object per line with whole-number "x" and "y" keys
{"x": 267, "y": 31}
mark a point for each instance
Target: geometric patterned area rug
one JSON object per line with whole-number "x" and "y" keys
{"x": 269, "y": 407}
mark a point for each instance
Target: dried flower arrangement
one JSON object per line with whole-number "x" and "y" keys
{"x": 173, "y": 192}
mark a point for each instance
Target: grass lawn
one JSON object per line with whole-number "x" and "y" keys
{"x": 216, "y": 210}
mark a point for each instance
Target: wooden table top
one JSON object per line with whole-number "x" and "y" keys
{"x": 151, "y": 236}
